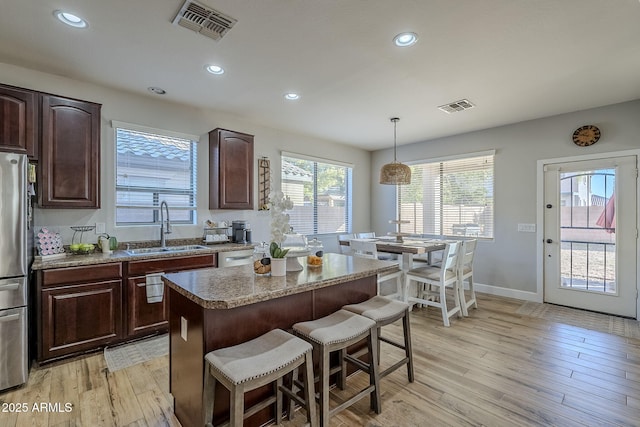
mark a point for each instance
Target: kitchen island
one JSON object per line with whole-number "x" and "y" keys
{"x": 214, "y": 308}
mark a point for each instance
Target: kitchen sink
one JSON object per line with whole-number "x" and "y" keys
{"x": 166, "y": 249}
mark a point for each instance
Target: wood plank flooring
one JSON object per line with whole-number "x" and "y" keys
{"x": 509, "y": 364}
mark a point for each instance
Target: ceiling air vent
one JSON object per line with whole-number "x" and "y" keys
{"x": 204, "y": 20}
{"x": 454, "y": 107}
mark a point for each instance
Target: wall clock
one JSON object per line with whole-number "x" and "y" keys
{"x": 585, "y": 136}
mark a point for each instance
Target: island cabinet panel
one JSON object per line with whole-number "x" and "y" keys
{"x": 70, "y": 153}
{"x": 230, "y": 170}
{"x": 19, "y": 120}
{"x": 143, "y": 317}
{"x": 78, "y": 309}
{"x": 80, "y": 318}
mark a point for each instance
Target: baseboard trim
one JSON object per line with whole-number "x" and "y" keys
{"x": 506, "y": 292}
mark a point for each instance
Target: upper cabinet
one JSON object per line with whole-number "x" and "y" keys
{"x": 230, "y": 170}
{"x": 18, "y": 120}
{"x": 70, "y": 153}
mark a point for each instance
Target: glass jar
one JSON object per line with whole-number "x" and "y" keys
{"x": 261, "y": 260}
{"x": 314, "y": 259}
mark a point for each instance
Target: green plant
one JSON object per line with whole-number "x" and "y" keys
{"x": 276, "y": 251}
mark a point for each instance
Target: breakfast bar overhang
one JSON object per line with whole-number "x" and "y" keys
{"x": 219, "y": 307}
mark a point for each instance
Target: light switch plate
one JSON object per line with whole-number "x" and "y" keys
{"x": 527, "y": 228}
{"x": 100, "y": 228}
{"x": 183, "y": 328}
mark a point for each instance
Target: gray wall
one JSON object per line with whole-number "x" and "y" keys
{"x": 509, "y": 261}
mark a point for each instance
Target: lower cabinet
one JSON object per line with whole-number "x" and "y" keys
{"x": 144, "y": 317}
{"x": 80, "y": 309}
{"x": 81, "y": 317}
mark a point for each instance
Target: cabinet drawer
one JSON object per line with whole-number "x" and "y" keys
{"x": 58, "y": 276}
{"x": 171, "y": 264}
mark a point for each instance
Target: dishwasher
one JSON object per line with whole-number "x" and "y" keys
{"x": 233, "y": 258}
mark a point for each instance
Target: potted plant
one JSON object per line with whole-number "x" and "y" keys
{"x": 278, "y": 261}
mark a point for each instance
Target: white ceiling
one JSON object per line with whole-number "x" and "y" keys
{"x": 515, "y": 59}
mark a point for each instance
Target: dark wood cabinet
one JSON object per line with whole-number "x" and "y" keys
{"x": 70, "y": 153}
{"x": 143, "y": 317}
{"x": 230, "y": 170}
{"x": 80, "y": 309}
{"x": 19, "y": 120}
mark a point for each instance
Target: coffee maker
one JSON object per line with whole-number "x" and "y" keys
{"x": 240, "y": 232}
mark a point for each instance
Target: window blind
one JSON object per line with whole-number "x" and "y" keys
{"x": 151, "y": 168}
{"x": 452, "y": 197}
{"x": 320, "y": 192}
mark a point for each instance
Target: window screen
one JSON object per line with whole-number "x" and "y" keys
{"x": 151, "y": 168}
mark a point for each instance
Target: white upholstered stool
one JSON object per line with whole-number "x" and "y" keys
{"x": 336, "y": 332}
{"x": 385, "y": 311}
{"x": 247, "y": 366}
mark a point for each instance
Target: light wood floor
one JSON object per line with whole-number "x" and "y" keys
{"x": 499, "y": 367}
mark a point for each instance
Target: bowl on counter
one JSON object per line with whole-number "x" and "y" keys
{"x": 82, "y": 248}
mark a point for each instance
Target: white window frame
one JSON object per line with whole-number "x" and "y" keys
{"x": 349, "y": 190}
{"x": 156, "y": 208}
{"x": 440, "y": 215}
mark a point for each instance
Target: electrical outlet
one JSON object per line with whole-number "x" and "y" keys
{"x": 183, "y": 328}
{"x": 100, "y": 229}
{"x": 527, "y": 228}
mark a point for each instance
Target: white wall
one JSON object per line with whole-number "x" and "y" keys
{"x": 509, "y": 261}
{"x": 153, "y": 111}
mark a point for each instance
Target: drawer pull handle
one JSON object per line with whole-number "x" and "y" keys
{"x": 10, "y": 317}
{"x": 9, "y": 287}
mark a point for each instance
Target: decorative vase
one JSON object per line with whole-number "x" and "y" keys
{"x": 278, "y": 266}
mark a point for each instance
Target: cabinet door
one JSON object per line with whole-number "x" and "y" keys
{"x": 70, "y": 157}
{"x": 144, "y": 317}
{"x": 18, "y": 120}
{"x": 79, "y": 318}
{"x": 231, "y": 170}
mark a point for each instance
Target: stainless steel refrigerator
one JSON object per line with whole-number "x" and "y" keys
{"x": 14, "y": 355}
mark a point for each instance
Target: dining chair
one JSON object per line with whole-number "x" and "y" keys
{"x": 344, "y": 249}
{"x": 465, "y": 271}
{"x": 431, "y": 277}
{"x": 366, "y": 235}
{"x": 369, "y": 250}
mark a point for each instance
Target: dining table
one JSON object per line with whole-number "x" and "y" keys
{"x": 407, "y": 248}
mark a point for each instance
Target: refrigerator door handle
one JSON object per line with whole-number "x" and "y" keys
{"x": 9, "y": 318}
{"x": 10, "y": 286}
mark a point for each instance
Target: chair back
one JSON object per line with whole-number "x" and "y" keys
{"x": 450, "y": 257}
{"x": 368, "y": 235}
{"x": 467, "y": 253}
{"x": 364, "y": 249}
{"x": 343, "y": 248}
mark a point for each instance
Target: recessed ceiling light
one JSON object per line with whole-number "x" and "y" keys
{"x": 291, "y": 96}
{"x": 70, "y": 19}
{"x": 405, "y": 39}
{"x": 214, "y": 69}
{"x": 156, "y": 90}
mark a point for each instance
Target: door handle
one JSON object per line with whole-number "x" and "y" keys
{"x": 9, "y": 318}
{"x": 549, "y": 241}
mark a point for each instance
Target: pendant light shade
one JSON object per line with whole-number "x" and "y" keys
{"x": 395, "y": 173}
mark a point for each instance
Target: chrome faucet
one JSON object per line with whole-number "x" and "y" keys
{"x": 164, "y": 230}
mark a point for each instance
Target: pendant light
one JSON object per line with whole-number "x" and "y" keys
{"x": 395, "y": 173}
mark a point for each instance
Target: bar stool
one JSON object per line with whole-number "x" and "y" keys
{"x": 336, "y": 332}
{"x": 247, "y": 366}
{"x": 384, "y": 312}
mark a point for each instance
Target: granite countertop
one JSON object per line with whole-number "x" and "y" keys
{"x": 223, "y": 288}
{"x": 71, "y": 260}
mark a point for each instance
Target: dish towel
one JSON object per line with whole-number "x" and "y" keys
{"x": 155, "y": 287}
